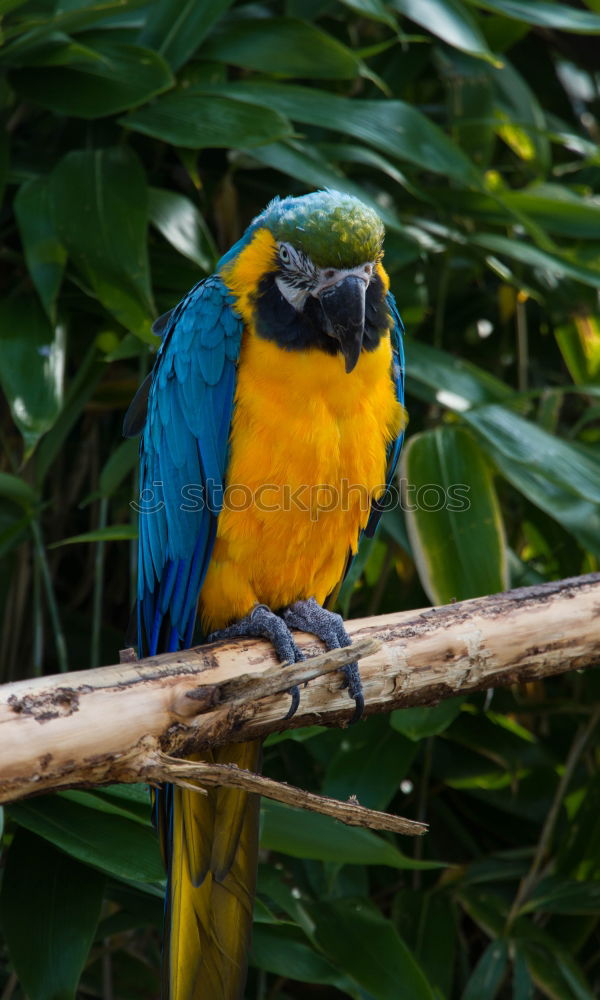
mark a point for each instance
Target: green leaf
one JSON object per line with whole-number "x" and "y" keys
{"x": 111, "y": 843}
{"x": 304, "y": 834}
{"x": 371, "y": 761}
{"x": 418, "y": 723}
{"x": 16, "y": 489}
{"x": 286, "y": 46}
{"x": 510, "y": 436}
{"x": 394, "y": 127}
{"x": 175, "y": 28}
{"x": 44, "y": 253}
{"x": 50, "y": 905}
{"x": 49, "y": 19}
{"x": 557, "y": 895}
{"x": 93, "y": 193}
{"x": 579, "y": 343}
{"x": 121, "y": 77}
{"x": 374, "y": 10}
{"x": 546, "y": 15}
{"x": 521, "y": 122}
{"x": 192, "y": 120}
{"x": 32, "y": 360}
{"x": 488, "y": 975}
{"x": 284, "y": 950}
{"x": 180, "y": 222}
{"x": 555, "y": 265}
{"x": 449, "y": 20}
{"x": 118, "y": 466}
{"x": 453, "y": 382}
{"x": 357, "y": 938}
{"x": 453, "y": 515}
{"x": 112, "y": 533}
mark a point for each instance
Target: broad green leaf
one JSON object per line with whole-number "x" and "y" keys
{"x": 175, "y": 28}
{"x": 44, "y": 253}
{"x": 100, "y": 205}
{"x": 110, "y": 843}
{"x": 375, "y": 10}
{"x": 120, "y": 463}
{"x": 520, "y": 119}
{"x": 357, "y": 938}
{"x": 123, "y": 76}
{"x": 453, "y": 515}
{"x": 580, "y": 517}
{"x": 418, "y": 723}
{"x": 81, "y": 388}
{"x": 394, "y": 127}
{"x": 550, "y": 964}
{"x": 285, "y": 951}
{"x": 426, "y": 921}
{"x": 558, "y": 267}
{"x": 32, "y": 360}
{"x": 70, "y": 17}
{"x": 521, "y": 980}
{"x": 130, "y": 809}
{"x": 449, "y": 20}
{"x": 579, "y": 343}
{"x": 16, "y": 489}
{"x": 196, "y": 121}
{"x": 554, "y": 207}
{"x": 304, "y": 834}
{"x": 112, "y": 533}
{"x": 286, "y": 46}
{"x": 507, "y": 435}
{"x": 180, "y": 222}
{"x": 470, "y": 106}
{"x": 558, "y": 895}
{"x": 546, "y": 15}
{"x": 451, "y": 381}
{"x": 371, "y": 761}
{"x": 488, "y": 975}
{"x": 50, "y": 906}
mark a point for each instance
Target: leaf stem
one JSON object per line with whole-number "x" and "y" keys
{"x": 59, "y": 636}
{"x": 530, "y": 880}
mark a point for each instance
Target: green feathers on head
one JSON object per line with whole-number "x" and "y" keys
{"x": 333, "y": 229}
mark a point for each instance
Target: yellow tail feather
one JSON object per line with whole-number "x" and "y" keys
{"x": 212, "y": 882}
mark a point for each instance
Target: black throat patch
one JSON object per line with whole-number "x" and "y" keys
{"x": 277, "y": 320}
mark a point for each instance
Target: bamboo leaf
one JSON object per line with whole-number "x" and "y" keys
{"x": 452, "y": 516}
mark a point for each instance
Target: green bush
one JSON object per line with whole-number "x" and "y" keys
{"x": 138, "y": 141}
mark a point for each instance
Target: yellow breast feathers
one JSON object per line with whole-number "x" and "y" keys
{"x": 307, "y": 455}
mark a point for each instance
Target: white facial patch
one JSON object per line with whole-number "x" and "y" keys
{"x": 299, "y": 277}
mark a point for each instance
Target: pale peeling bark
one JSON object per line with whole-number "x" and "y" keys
{"x": 113, "y": 723}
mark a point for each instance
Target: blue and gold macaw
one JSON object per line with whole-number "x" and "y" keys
{"x": 280, "y": 377}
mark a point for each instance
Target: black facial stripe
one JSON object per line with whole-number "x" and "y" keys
{"x": 277, "y": 320}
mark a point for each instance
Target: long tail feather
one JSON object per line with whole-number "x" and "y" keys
{"x": 212, "y": 880}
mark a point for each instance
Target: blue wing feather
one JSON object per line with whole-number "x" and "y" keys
{"x": 184, "y": 443}
{"x": 397, "y": 333}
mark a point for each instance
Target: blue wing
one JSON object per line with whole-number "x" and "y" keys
{"x": 183, "y": 460}
{"x": 394, "y": 449}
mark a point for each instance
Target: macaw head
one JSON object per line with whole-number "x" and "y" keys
{"x": 307, "y": 274}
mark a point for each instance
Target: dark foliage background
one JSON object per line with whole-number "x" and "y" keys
{"x": 138, "y": 141}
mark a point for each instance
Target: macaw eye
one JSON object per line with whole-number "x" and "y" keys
{"x": 284, "y": 255}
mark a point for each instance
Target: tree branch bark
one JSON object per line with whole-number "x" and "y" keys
{"x": 109, "y": 724}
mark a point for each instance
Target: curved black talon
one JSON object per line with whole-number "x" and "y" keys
{"x": 262, "y": 623}
{"x": 328, "y": 626}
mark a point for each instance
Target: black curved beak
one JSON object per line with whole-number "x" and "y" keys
{"x": 343, "y": 307}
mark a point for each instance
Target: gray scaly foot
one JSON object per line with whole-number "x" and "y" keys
{"x": 262, "y": 623}
{"x": 309, "y": 616}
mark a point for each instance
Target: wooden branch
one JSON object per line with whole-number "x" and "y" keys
{"x": 160, "y": 767}
{"x": 107, "y": 724}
